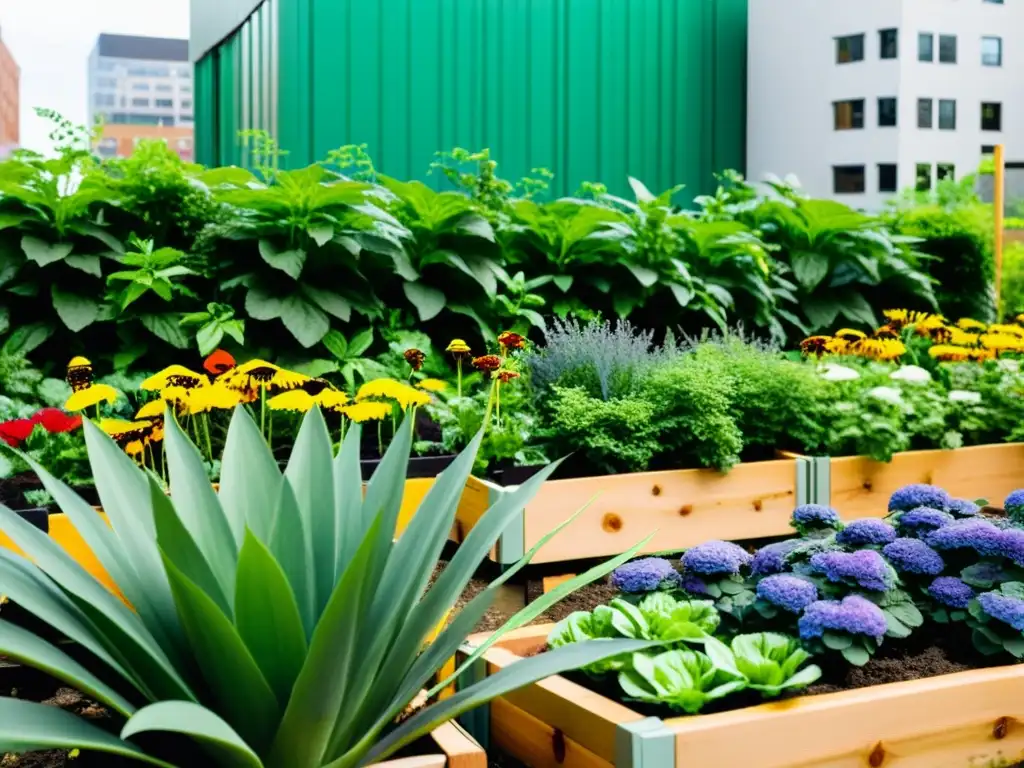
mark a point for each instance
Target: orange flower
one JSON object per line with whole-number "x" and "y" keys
{"x": 815, "y": 345}
{"x": 415, "y": 358}
{"x": 506, "y": 376}
{"x": 487, "y": 363}
{"x": 219, "y": 362}
{"x": 510, "y": 340}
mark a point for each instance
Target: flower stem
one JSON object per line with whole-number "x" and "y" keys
{"x": 206, "y": 432}
{"x": 263, "y": 411}
{"x": 380, "y": 438}
{"x": 497, "y": 403}
{"x": 458, "y": 375}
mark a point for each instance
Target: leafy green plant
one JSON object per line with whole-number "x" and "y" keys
{"x": 350, "y": 607}
{"x": 681, "y": 679}
{"x": 768, "y": 662}
{"x": 213, "y": 325}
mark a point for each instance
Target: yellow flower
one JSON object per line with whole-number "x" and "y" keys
{"x": 970, "y": 324}
{"x": 880, "y": 349}
{"x": 1000, "y": 342}
{"x": 360, "y": 412}
{"x": 90, "y": 396}
{"x": 837, "y": 346}
{"x": 260, "y": 373}
{"x": 410, "y": 397}
{"x": 961, "y": 338}
{"x": 433, "y": 385}
{"x": 175, "y": 376}
{"x": 296, "y": 400}
{"x": 332, "y": 398}
{"x": 849, "y": 334}
{"x": 387, "y": 388}
{"x": 79, "y": 374}
{"x": 130, "y": 435}
{"x": 219, "y": 396}
{"x": 949, "y": 353}
{"x": 1008, "y": 330}
{"x": 115, "y": 426}
{"x": 458, "y": 347}
{"x": 151, "y": 410}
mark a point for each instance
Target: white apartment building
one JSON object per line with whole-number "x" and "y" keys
{"x": 139, "y": 81}
{"x": 861, "y": 99}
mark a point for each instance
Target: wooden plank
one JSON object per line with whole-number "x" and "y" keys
{"x": 685, "y": 507}
{"x": 535, "y": 743}
{"x": 861, "y": 487}
{"x": 971, "y": 718}
{"x": 550, "y": 582}
{"x": 419, "y": 761}
{"x": 459, "y": 747}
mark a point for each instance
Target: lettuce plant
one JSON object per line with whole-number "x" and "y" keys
{"x": 767, "y": 662}
{"x": 681, "y": 679}
{"x": 276, "y": 623}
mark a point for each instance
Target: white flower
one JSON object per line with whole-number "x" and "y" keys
{"x": 833, "y": 372}
{"x": 963, "y": 396}
{"x": 1006, "y": 364}
{"x": 911, "y": 373}
{"x": 888, "y": 394}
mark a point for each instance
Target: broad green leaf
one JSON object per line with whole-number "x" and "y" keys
{"x": 196, "y": 504}
{"x": 360, "y": 342}
{"x": 854, "y": 307}
{"x": 564, "y": 282}
{"x": 856, "y": 655}
{"x": 101, "y": 234}
{"x": 267, "y": 617}
{"x": 198, "y": 723}
{"x": 8, "y": 220}
{"x": 209, "y": 337}
{"x": 167, "y": 327}
{"x": 87, "y": 263}
{"x": 26, "y": 339}
{"x": 428, "y": 300}
{"x": 837, "y": 642}
{"x": 640, "y": 191}
{"x": 330, "y": 302}
{"x": 262, "y": 305}
{"x": 475, "y": 224}
{"x": 810, "y": 268}
{"x": 250, "y": 479}
{"x": 26, "y": 726}
{"x": 312, "y": 479}
{"x": 644, "y": 275}
{"x": 290, "y": 262}
{"x": 42, "y": 252}
{"x": 74, "y": 310}
{"x": 307, "y": 322}
{"x": 820, "y": 311}
{"x": 336, "y": 344}
{"x": 242, "y": 693}
{"x": 5, "y": 319}
{"x": 321, "y": 233}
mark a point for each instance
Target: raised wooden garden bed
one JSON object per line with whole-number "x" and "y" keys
{"x": 452, "y": 747}
{"x": 860, "y": 487}
{"x": 965, "y": 720}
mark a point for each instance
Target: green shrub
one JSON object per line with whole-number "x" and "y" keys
{"x": 1012, "y": 289}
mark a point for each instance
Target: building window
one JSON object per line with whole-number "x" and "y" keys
{"x": 988, "y": 149}
{"x": 887, "y": 177}
{"x": 887, "y": 112}
{"x": 849, "y": 48}
{"x": 947, "y": 49}
{"x": 991, "y": 116}
{"x": 848, "y": 114}
{"x": 105, "y": 100}
{"x": 185, "y": 120}
{"x": 185, "y": 89}
{"x": 106, "y": 82}
{"x": 888, "y": 43}
{"x": 992, "y": 51}
{"x": 165, "y": 103}
{"x": 924, "y": 113}
{"x": 140, "y": 86}
{"x": 106, "y": 66}
{"x": 848, "y": 179}
{"x": 924, "y": 177}
{"x": 186, "y": 103}
{"x": 945, "y": 171}
{"x": 947, "y": 114}
{"x": 926, "y": 46}
{"x": 164, "y": 88}
{"x": 185, "y": 72}
{"x": 997, "y": 2}
{"x": 140, "y": 102}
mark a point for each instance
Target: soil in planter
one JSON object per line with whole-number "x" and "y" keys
{"x": 13, "y": 489}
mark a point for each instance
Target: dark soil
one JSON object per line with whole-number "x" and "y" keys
{"x": 13, "y": 489}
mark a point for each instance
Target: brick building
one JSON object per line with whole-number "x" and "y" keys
{"x": 10, "y": 77}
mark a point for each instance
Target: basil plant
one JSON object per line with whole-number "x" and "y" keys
{"x": 277, "y": 622}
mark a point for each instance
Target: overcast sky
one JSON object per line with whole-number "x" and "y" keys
{"x": 51, "y": 41}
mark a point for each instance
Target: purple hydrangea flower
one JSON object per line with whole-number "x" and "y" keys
{"x": 693, "y": 584}
{"x": 972, "y": 533}
{"x": 715, "y": 557}
{"x": 918, "y": 495}
{"x": 921, "y": 520}
{"x": 771, "y": 558}
{"x": 861, "y": 533}
{"x": 913, "y": 556}
{"x": 790, "y": 593}
{"x": 951, "y": 592}
{"x": 1012, "y": 544}
{"x": 809, "y": 517}
{"x": 853, "y": 615}
{"x": 866, "y": 568}
{"x": 962, "y": 508}
{"x": 648, "y": 574}
{"x": 1007, "y": 609}
{"x": 1014, "y": 505}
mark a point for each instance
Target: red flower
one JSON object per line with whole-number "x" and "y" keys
{"x": 16, "y": 432}
{"x": 219, "y": 362}
{"x": 55, "y": 420}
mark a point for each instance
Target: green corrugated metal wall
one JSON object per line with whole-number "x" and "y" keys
{"x": 592, "y": 89}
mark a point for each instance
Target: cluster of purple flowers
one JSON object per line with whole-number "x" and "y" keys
{"x": 865, "y": 532}
{"x": 921, "y": 520}
{"x": 972, "y": 533}
{"x": 853, "y": 615}
{"x": 790, "y": 593}
{"x": 1005, "y": 608}
{"x": 1014, "y": 506}
{"x": 918, "y": 495}
{"x": 913, "y": 556}
{"x": 715, "y": 557}
{"x": 648, "y": 574}
{"x": 771, "y": 558}
{"x": 815, "y": 517}
{"x": 693, "y": 584}
{"x": 962, "y": 508}
{"x": 951, "y": 592}
{"x": 865, "y": 568}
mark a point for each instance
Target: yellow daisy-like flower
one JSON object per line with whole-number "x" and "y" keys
{"x": 961, "y": 338}
{"x": 151, "y": 410}
{"x": 130, "y": 435}
{"x": 216, "y": 397}
{"x": 1008, "y": 330}
{"x": 296, "y": 400}
{"x": 949, "y": 353}
{"x": 970, "y": 324}
{"x": 79, "y": 374}
{"x": 850, "y": 335}
{"x": 332, "y": 399}
{"x": 410, "y": 397}
{"x": 900, "y": 318}
{"x": 175, "y": 376}
{"x": 116, "y": 426}
{"x": 386, "y": 388}
{"x": 90, "y": 396}
{"x": 880, "y": 349}
{"x": 260, "y": 373}
{"x": 837, "y": 346}
{"x": 458, "y": 347}
{"x": 432, "y": 385}
{"x": 360, "y": 412}
{"x": 1000, "y": 342}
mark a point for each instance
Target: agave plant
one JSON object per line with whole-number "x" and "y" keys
{"x": 277, "y": 623}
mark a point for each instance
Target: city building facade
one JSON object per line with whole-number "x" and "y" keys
{"x": 860, "y": 100}
{"x": 141, "y": 88}
{"x": 10, "y": 86}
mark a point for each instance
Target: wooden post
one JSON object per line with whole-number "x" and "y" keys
{"x": 999, "y": 206}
